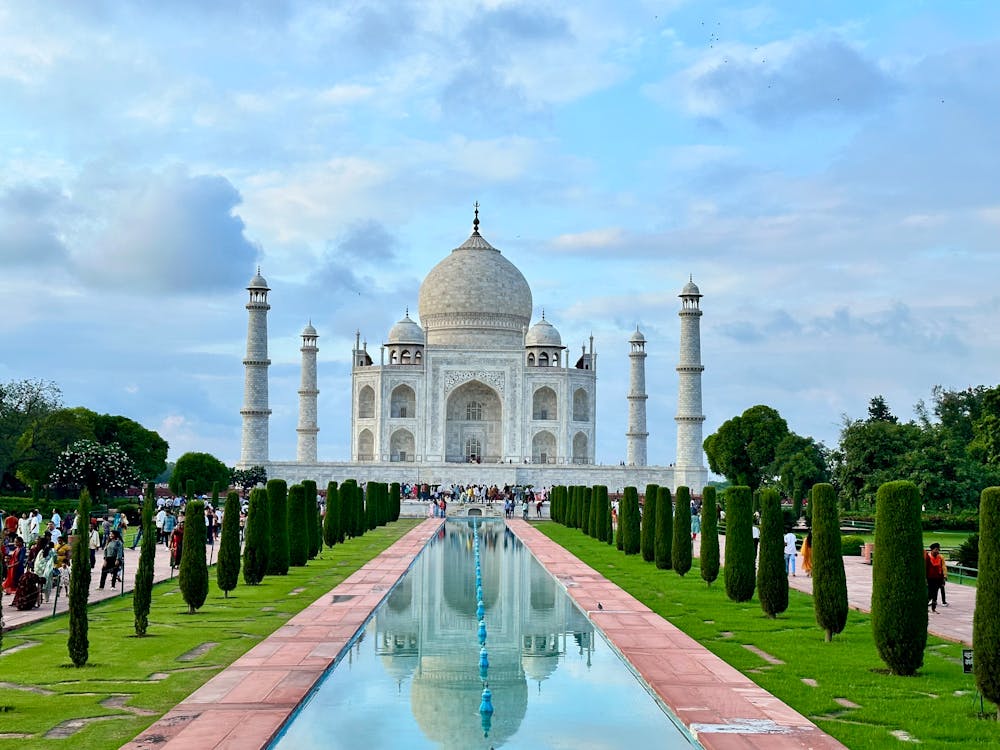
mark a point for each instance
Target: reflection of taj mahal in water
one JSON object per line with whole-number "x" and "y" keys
{"x": 474, "y": 393}
{"x": 531, "y": 623}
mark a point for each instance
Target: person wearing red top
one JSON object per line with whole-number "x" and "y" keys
{"x": 937, "y": 572}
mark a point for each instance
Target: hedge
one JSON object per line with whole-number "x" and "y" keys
{"x": 739, "y": 572}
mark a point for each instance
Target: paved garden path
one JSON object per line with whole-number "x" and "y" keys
{"x": 953, "y": 622}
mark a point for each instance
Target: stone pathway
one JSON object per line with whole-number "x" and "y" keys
{"x": 954, "y": 622}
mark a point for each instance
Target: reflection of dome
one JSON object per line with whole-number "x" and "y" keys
{"x": 406, "y": 332}
{"x": 539, "y": 667}
{"x": 448, "y": 712}
{"x": 543, "y": 333}
{"x": 460, "y": 592}
{"x": 399, "y": 666}
{"x": 476, "y": 297}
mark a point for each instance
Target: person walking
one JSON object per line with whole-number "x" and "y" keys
{"x": 95, "y": 543}
{"x": 114, "y": 558}
{"x": 937, "y": 573}
{"x": 807, "y": 554}
{"x": 790, "y": 553}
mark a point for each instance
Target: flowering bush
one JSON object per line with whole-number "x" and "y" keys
{"x": 94, "y": 466}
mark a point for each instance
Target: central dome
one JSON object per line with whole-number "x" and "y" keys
{"x": 476, "y": 298}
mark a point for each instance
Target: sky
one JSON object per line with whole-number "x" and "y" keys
{"x": 827, "y": 172}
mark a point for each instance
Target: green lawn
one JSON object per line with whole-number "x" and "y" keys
{"x": 155, "y": 673}
{"x": 937, "y": 707}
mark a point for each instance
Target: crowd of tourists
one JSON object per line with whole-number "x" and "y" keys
{"x": 513, "y": 498}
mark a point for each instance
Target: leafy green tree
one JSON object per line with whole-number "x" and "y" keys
{"x": 743, "y": 449}
{"x": 143, "y": 594}
{"x": 39, "y": 446}
{"x": 146, "y": 448}
{"x": 312, "y": 519}
{"x": 663, "y": 542}
{"x": 986, "y": 620}
{"x": 79, "y": 591}
{"x": 94, "y": 467}
{"x": 709, "y": 557}
{"x": 799, "y": 463}
{"x": 203, "y": 469}
{"x": 829, "y": 578}
{"x": 257, "y": 533}
{"x": 298, "y": 531}
{"x": 647, "y": 533}
{"x": 631, "y": 533}
{"x": 193, "y": 579}
{"x": 772, "y": 581}
{"x": 879, "y": 411}
{"x": 899, "y": 579}
{"x": 22, "y": 403}
{"x": 680, "y": 550}
{"x": 227, "y": 570}
{"x": 277, "y": 501}
{"x": 739, "y": 572}
{"x": 247, "y": 479}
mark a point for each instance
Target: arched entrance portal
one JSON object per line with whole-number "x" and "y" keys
{"x": 474, "y": 424}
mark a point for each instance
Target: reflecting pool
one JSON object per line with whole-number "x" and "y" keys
{"x": 414, "y": 677}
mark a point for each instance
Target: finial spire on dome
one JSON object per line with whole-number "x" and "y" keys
{"x": 543, "y": 313}
{"x": 475, "y": 221}
{"x": 407, "y": 314}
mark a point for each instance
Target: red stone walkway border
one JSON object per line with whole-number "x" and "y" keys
{"x": 723, "y": 708}
{"x": 246, "y": 704}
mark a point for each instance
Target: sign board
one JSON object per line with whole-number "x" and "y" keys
{"x": 967, "y": 660}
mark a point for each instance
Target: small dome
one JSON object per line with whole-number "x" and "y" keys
{"x": 309, "y": 330}
{"x": 690, "y": 290}
{"x": 543, "y": 333}
{"x": 406, "y": 332}
{"x": 258, "y": 282}
{"x": 637, "y": 337}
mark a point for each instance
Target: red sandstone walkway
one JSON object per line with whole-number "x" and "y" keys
{"x": 953, "y": 623}
{"x": 245, "y": 705}
{"x": 722, "y": 707}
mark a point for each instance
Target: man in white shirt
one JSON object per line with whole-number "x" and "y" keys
{"x": 755, "y": 533}
{"x": 160, "y": 515}
{"x": 790, "y": 552}
{"x": 34, "y": 526}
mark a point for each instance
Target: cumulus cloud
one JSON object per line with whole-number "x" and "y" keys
{"x": 29, "y": 224}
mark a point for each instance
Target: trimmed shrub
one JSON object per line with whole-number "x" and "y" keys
{"x": 257, "y": 535}
{"x": 663, "y": 542}
{"x": 312, "y": 526}
{"x": 371, "y": 501}
{"x": 899, "y": 579}
{"x": 277, "y": 504}
{"x": 850, "y": 546}
{"x": 772, "y": 581}
{"x": 601, "y": 512}
{"x": 347, "y": 512}
{"x": 631, "y": 533}
{"x": 331, "y": 521}
{"x": 986, "y": 620}
{"x": 709, "y": 536}
{"x": 588, "y": 511}
{"x": 967, "y": 553}
{"x": 395, "y": 501}
{"x": 227, "y": 570}
{"x": 647, "y": 534}
{"x": 739, "y": 571}
{"x": 193, "y": 579}
{"x": 143, "y": 595}
{"x": 620, "y": 529}
{"x": 298, "y": 531}
{"x": 796, "y": 508}
{"x": 79, "y": 587}
{"x": 680, "y": 551}
{"x": 829, "y": 579}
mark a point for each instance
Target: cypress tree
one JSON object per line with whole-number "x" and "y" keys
{"x": 680, "y": 552}
{"x": 395, "y": 501}
{"x": 578, "y": 521}
{"x": 360, "y": 525}
{"x": 608, "y": 524}
{"x": 709, "y": 536}
{"x": 600, "y": 501}
{"x": 193, "y": 579}
{"x": 347, "y": 509}
{"x": 331, "y": 521}
{"x": 227, "y": 569}
{"x": 571, "y": 506}
{"x": 631, "y": 540}
{"x": 298, "y": 532}
{"x": 564, "y": 505}
{"x": 257, "y": 542}
{"x": 772, "y": 581}
{"x": 899, "y": 578}
{"x": 79, "y": 586}
{"x": 663, "y": 542}
{"x": 370, "y": 503}
{"x": 143, "y": 594}
{"x": 559, "y": 504}
{"x": 739, "y": 571}
{"x": 647, "y": 537}
{"x": 312, "y": 528}
{"x": 829, "y": 579}
{"x": 986, "y": 620}
{"x": 588, "y": 498}
{"x": 620, "y": 529}
{"x": 277, "y": 502}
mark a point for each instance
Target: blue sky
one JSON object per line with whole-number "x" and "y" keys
{"x": 827, "y": 171}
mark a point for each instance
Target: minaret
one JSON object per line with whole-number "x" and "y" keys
{"x": 636, "y": 436}
{"x": 690, "y": 469}
{"x": 253, "y": 448}
{"x": 307, "y": 429}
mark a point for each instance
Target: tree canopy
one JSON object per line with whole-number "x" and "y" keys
{"x": 203, "y": 469}
{"x": 743, "y": 449}
{"x": 22, "y": 402}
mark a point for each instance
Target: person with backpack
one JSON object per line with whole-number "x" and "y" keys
{"x": 114, "y": 559}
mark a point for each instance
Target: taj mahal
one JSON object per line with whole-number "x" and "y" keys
{"x": 474, "y": 393}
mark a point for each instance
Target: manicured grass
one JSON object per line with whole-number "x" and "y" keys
{"x": 123, "y": 665}
{"x": 937, "y": 707}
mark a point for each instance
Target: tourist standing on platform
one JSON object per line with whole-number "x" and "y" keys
{"x": 807, "y": 554}
{"x": 114, "y": 559}
{"x": 95, "y": 543}
{"x": 937, "y": 573}
{"x": 15, "y": 565}
{"x": 169, "y": 524}
{"x": 161, "y": 514}
{"x": 790, "y": 553}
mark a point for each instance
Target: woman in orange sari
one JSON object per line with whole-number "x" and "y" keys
{"x": 807, "y": 554}
{"x": 15, "y": 566}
